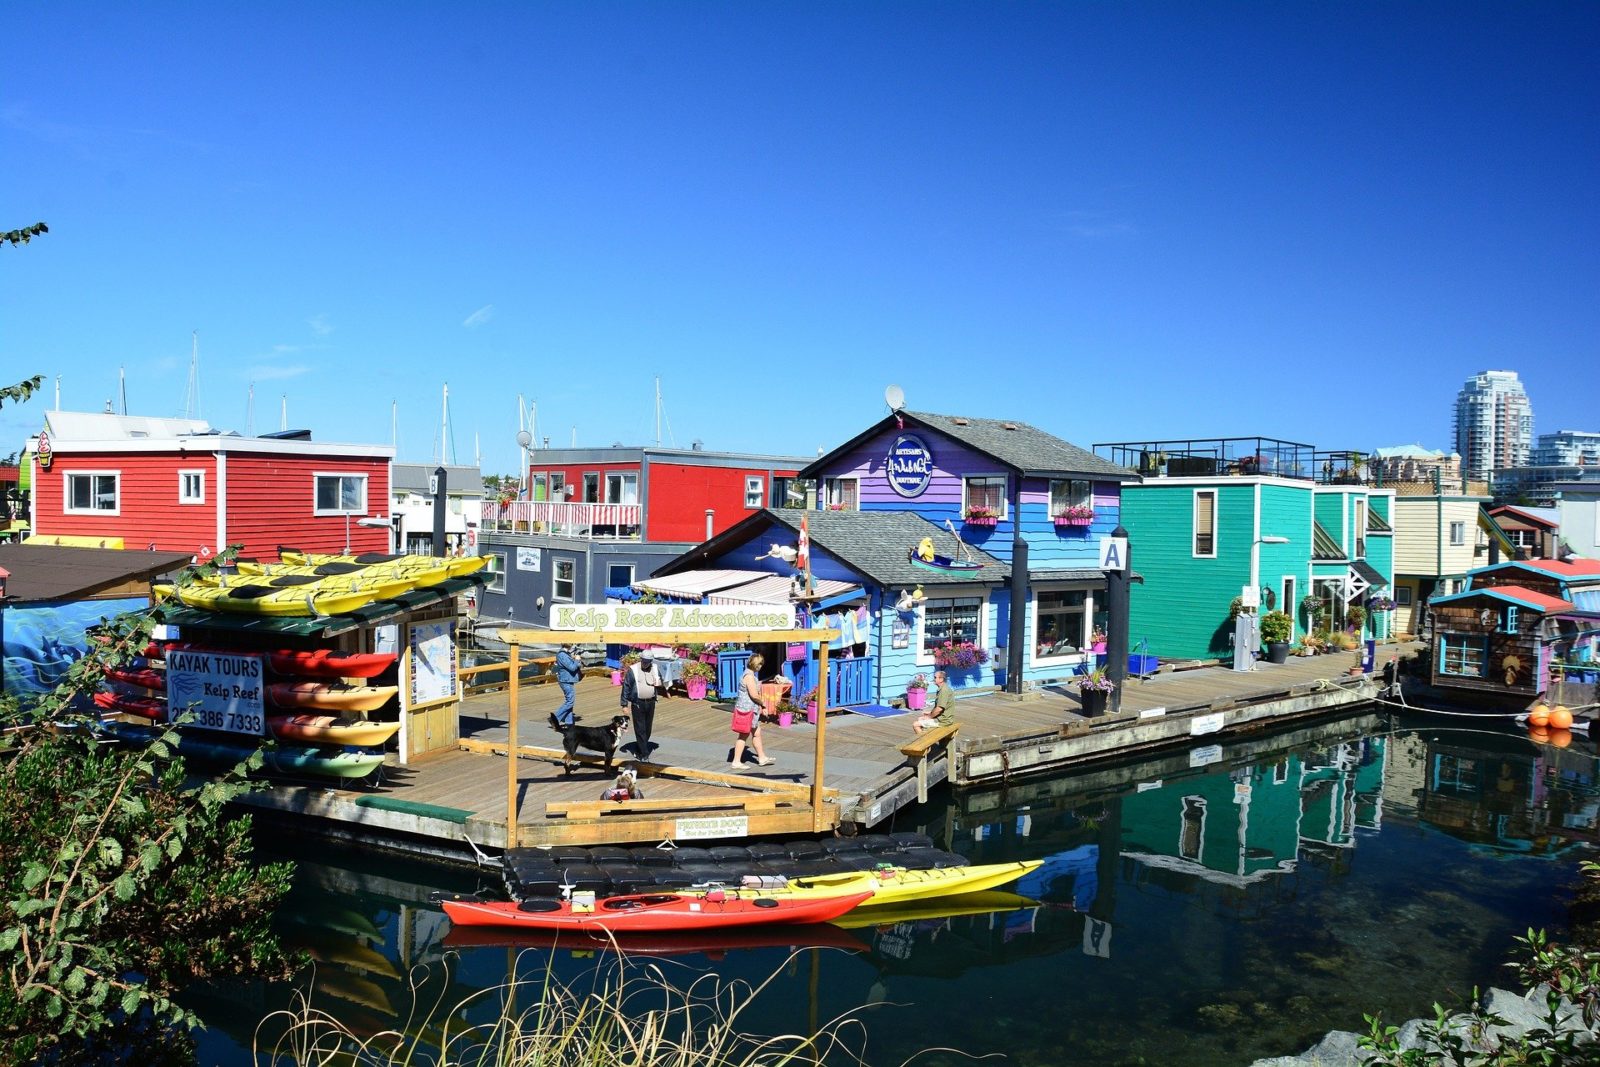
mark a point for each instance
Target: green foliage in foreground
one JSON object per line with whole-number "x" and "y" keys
{"x": 120, "y": 880}
{"x": 1568, "y": 976}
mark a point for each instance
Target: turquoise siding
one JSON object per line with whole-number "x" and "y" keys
{"x": 1181, "y": 609}
{"x": 1238, "y": 840}
{"x": 1286, "y": 512}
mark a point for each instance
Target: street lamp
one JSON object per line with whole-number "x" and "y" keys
{"x": 382, "y": 521}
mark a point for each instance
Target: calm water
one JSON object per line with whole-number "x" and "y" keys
{"x": 1207, "y": 907}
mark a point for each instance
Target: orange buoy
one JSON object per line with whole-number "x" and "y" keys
{"x": 1539, "y": 716}
{"x": 1560, "y": 718}
{"x": 1539, "y": 734}
{"x": 1561, "y": 738}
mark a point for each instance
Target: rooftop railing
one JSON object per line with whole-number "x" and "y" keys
{"x": 1212, "y": 456}
{"x": 596, "y": 522}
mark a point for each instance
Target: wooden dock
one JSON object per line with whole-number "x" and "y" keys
{"x": 453, "y": 804}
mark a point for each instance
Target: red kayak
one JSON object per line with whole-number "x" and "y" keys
{"x": 713, "y": 909}
{"x": 327, "y": 663}
{"x": 145, "y": 677}
{"x": 143, "y": 707}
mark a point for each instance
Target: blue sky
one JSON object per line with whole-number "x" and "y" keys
{"x": 1114, "y": 221}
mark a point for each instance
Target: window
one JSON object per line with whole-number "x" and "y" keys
{"x": 842, "y": 494}
{"x": 952, "y": 619}
{"x": 1205, "y": 523}
{"x": 619, "y": 575}
{"x": 591, "y": 487}
{"x": 1361, "y": 529}
{"x": 558, "y": 485}
{"x": 1402, "y": 596}
{"x": 191, "y": 487}
{"x": 622, "y": 487}
{"x": 538, "y": 482}
{"x": 566, "y": 583}
{"x": 341, "y": 494}
{"x": 1458, "y": 533}
{"x": 1068, "y": 495}
{"x": 1463, "y": 655}
{"x": 754, "y": 488}
{"x": 93, "y": 492}
{"x": 496, "y": 572}
{"x": 984, "y": 491}
{"x": 1058, "y": 622}
{"x": 1289, "y": 604}
{"x": 794, "y": 492}
{"x": 1508, "y": 620}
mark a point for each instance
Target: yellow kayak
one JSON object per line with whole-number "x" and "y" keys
{"x": 244, "y": 599}
{"x": 894, "y": 885}
{"x": 907, "y": 911}
{"x": 413, "y": 575}
{"x": 455, "y": 566}
{"x": 380, "y": 587}
{"x": 331, "y": 729}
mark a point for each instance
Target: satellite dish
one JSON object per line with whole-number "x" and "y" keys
{"x": 895, "y": 397}
{"x": 524, "y": 438}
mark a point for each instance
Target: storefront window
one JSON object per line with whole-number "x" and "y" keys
{"x": 1059, "y": 622}
{"x": 954, "y": 620}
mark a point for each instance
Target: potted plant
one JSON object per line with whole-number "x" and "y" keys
{"x": 1074, "y": 515}
{"x": 697, "y": 678}
{"x": 1094, "y": 689}
{"x": 983, "y": 515}
{"x": 1275, "y": 629}
{"x": 960, "y": 655}
{"x": 809, "y": 702}
{"x": 917, "y": 692}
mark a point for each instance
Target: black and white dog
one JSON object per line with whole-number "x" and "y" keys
{"x": 593, "y": 738}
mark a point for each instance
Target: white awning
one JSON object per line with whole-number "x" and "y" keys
{"x": 698, "y": 583}
{"x": 776, "y": 589}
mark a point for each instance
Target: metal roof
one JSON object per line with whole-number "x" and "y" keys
{"x": 1323, "y": 544}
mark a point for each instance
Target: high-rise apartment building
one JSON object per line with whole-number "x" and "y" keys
{"x": 1493, "y": 423}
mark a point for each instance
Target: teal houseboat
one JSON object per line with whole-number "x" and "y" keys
{"x": 1217, "y": 520}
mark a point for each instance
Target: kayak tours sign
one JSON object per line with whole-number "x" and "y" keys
{"x": 222, "y": 691}
{"x": 597, "y": 618}
{"x": 909, "y": 465}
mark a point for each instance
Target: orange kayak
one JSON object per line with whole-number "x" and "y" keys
{"x": 331, "y": 696}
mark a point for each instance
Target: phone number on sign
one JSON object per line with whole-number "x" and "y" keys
{"x": 237, "y": 722}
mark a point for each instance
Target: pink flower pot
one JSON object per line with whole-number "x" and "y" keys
{"x": 695, "y": 687}
{"x": 811, "y": 714}
{"x": 916, "y": 699}
{"x": 616, "y": 677}
{"x": 785, "y": 719}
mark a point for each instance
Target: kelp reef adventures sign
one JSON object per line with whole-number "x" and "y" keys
{"x": 909, "y": 465}
{"x": 599, "y": 618}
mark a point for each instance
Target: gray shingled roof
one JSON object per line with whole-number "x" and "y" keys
{"x": 878, "y": 543}
{"x": 1027, "y": 448}
{"x": 49, "y": 572}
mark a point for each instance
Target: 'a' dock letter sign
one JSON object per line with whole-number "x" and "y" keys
{"x": 909, "y": 465}
{"x": 1113, "y": 553}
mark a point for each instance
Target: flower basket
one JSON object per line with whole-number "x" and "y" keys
{"x": 695, "y": 687}
{"x": 916, "y": 699}
{"x": 960, "y": 655}
{"x": 785, "y": 719}
{"x": 1094, "y": 690}
{"x": 983, "y": 520}
{"x": 1072, "y": 520}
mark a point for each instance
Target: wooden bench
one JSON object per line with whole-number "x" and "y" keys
{"x": 919, "y": 748}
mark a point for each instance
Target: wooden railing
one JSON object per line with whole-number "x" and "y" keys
{"x": 599, "y": 522}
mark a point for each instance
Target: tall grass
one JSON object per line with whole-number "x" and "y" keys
{"x": 628, "y": 1015}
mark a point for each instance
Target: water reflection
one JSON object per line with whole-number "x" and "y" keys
{"x": 1206, "y": 906}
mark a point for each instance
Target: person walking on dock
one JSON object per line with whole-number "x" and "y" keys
{"x": 568, "y": 670}
{"x": 640, "y": 684}
{"x": 943, "y": 712}
{"x": 748, "y": 706}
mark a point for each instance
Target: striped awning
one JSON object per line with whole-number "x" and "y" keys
{"x": 776, "y": 589}
{"x": 695, "y": 584}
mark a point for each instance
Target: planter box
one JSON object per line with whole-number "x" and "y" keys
{"x": 1073, "y": 520}
{"x": 983, "y": 520}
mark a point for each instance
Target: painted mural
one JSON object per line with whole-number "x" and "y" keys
{"x": 41, "y": 643}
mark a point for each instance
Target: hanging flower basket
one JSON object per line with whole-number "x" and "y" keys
{"x": 961, "y": 656}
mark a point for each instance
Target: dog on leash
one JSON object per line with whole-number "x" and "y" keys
{"x": 626, "y": 787}
{"x": 594, "y": 739}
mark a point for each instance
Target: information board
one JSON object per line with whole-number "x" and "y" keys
{"x": 433, "y": 663}
{"x": 221, "y": 689}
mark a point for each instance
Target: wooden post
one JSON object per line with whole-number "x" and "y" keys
{"x": 822, "y": 731}
{"x": 514, "y": 680}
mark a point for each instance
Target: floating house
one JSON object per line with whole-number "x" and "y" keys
{"x": 1533, "y": 532}
{"x": 1440, "y": 537}
{"x": 1501, "y": 636}
{"x": 1223, "y": 519}
{"x": 943, "y": 523}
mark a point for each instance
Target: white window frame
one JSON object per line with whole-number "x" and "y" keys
{"x": 1289, "y": 589}
{"x": 1194, "y": 524}
{"x": 1072, "y": 501}
{"x": 496, "y": 572}
{"x": 632, "y": 573}
{"x": 556, "y": 487}
{"x": 755, "y": 487}
{"x": 830, "y": 495}
{"x": 599, "y": 487}
{"x": 924, "y": 657}
{"x": 1083, "y": 643}
{"x": 1005, "y": 497}
{"x": 622, "y": 478}
{"x": 1458, "y": 532}
{"x": 1360, "y": 530}
{"x": 186, "y": 497}
{"x": 316, "y": 486}
{"x": 556, "y": 563}
{"x": 66, "y": 493}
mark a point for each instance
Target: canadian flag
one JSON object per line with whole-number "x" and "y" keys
{"x": 802, "y": 554}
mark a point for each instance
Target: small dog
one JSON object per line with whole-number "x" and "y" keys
{"x": 593, "y": 738}
{"x": 626, "y": 787}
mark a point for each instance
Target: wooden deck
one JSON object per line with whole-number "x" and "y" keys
{"x": 454, "y": 803}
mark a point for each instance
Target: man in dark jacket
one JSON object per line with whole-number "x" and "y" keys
{"x": 568, "y": 671}
{"x": 640, "y": 684}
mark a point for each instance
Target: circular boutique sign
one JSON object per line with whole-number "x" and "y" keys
{"x": 909, "y": 466}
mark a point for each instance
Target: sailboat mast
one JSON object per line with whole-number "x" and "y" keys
{"x": 250, "y": 412}
{"x": 658, "y": 411}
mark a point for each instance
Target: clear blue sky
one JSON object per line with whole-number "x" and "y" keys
{"x": 1113, "y": 220}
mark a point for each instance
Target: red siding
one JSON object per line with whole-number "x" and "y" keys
{"x": 681, "y": 493}
{"x": 272, "y": 502}
{"x": 148, "y": 514}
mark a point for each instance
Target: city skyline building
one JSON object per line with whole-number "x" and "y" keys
{"x": 1493, "y": 423}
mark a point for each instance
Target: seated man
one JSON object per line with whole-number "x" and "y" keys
{"x": 942, "y": 712}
